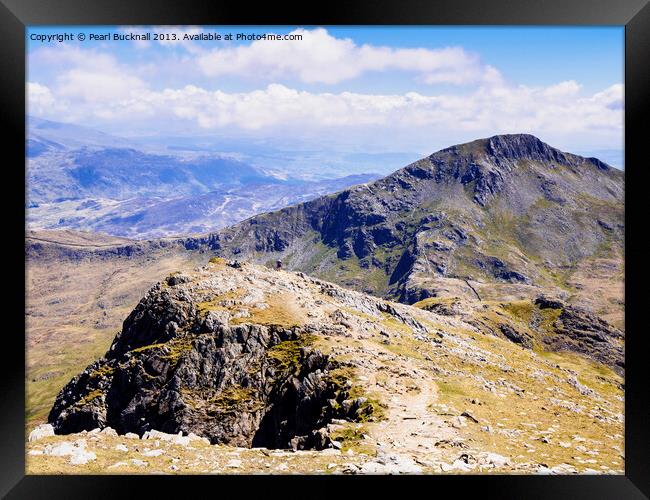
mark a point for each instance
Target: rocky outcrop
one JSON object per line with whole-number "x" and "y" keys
{"x": 516, "y": 336}
{"x": 225, "y": 384}
{"x": 178, "y": 366}
{"x": 546, "y": 323}
{"x": 578, "y": 330}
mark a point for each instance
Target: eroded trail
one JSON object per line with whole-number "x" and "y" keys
{"x": 411, "y": 430}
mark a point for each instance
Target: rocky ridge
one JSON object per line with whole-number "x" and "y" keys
{"x": 508, "y": 214}
{"x": 182, "y": 363}
{"x": 252, "y": 360}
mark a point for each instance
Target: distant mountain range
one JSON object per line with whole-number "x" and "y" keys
{"x": 503, "y": 218}
{"x": 82, "y": 179}
{"x": 46, "y": 135}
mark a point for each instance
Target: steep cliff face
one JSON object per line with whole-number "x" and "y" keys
{"x": 509, "y": 210}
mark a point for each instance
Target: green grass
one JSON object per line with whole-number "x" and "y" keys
{"x": 392, "y": 323}
{"x": 549, "y": 317}
{"x": 320, "y": 253}
{"x": 451, "y": 389}
{"x": 543, "y": 204}
{"x": 351, "y": 438}
{"x": 376, "y": 411}
{"x": 521, "y": 310}
{"x": 230, "y": 400}
{"x": 91, "y": 396}
{"x": 373, "y": 410}
{"x": 174, "y": 348}
{"x": 50, "y": 369}
{"x": 233, "y": 397}
{"x": 339, "y": 376}
{"x": 148, "y": 347}
{"x": 285, "y": 356}
{"x": 427, "y": 304}
{"x": 102, "y": 371}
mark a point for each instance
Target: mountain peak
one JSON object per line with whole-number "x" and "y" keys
{"x": 517, "y": 147}
{"x": 492, "y": 209}
{"x": 524, "y": 147}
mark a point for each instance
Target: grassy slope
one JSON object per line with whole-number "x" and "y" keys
{"x": 74, "y": 310}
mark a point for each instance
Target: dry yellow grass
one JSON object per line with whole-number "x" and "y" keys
{"x": 281, "y": 311}
{"x": 73, "y": 311}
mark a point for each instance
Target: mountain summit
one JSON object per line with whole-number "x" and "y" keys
{"x": 499, "y": 217}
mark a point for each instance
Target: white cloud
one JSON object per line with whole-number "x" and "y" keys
{"x": 556, "y": 109}
{"x": 322, "y": 58}
{"x": 97, "y": 86}
{"x": 562, "y": 89}
{"x": 91, "y": 87}
{"x": 88, "y": 84}
{"x": 612, "y": 97}
{"x": 66, "y": 56}
{"x": 40, "y": 100}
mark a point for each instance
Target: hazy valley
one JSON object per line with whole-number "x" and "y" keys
{"x": 81, "y": 179}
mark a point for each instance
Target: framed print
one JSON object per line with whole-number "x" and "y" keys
{"x": 353, "y": 246}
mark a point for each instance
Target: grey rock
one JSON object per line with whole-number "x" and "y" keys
{"x": 168, "y": 372}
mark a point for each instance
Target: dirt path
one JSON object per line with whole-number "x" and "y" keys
{"x": 411, "y": 427}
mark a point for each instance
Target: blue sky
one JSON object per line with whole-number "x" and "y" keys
{"x": 374, "y": 88}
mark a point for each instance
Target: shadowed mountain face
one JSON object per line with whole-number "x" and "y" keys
{"x": 497, "y": 217}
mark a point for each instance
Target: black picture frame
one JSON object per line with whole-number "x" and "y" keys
{"x": 16, "y": 15}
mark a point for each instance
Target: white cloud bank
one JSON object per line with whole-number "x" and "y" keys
{"x": 321, "y": 58}
{"x": 86, "y": 96}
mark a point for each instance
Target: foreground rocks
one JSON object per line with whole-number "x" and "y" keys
{"x": 178, "y": 366}
{"x": 236, "y": 368}
{"x": 41, "y": 432}
{"x": 160, "y": 453}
